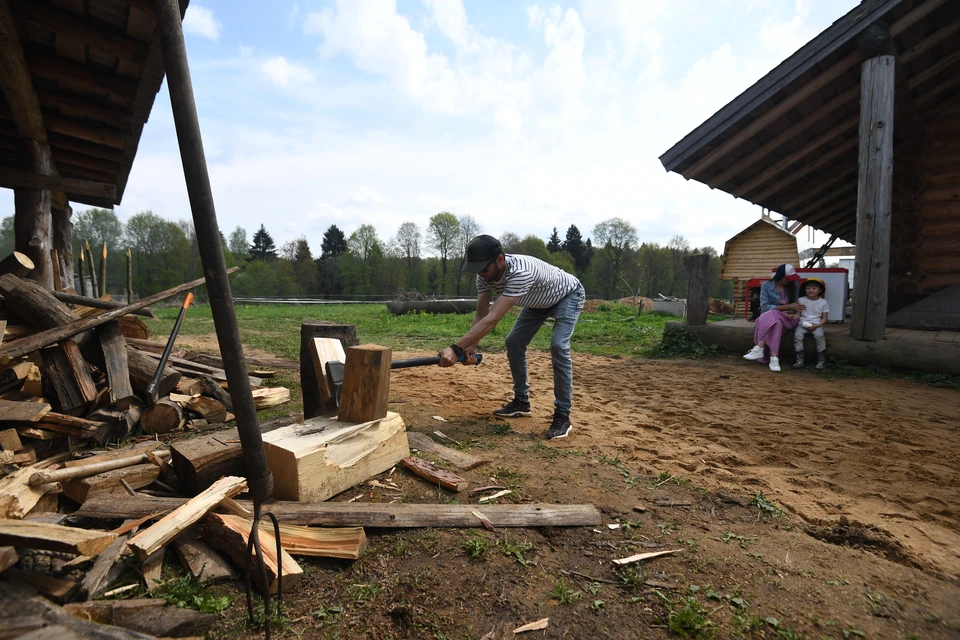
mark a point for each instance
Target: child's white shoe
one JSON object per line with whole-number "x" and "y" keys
{"x": 774, "y": 363}
{"x": 754, "y": 354}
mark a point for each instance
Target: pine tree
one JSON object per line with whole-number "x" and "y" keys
{"x": 575, "y": 247}
{"x": 334, "y": 243}
{"x": 554, "y": 245}
{"x": 262, "y": 247}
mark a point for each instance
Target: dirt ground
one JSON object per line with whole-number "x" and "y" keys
{"x": 867, "y": 473}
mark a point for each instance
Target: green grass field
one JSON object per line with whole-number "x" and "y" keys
{"x": 612, "y": 330}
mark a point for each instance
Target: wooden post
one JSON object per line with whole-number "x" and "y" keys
{"x": 309, "y": 386}
{"x": 55, "y": 259}
{"x": 366, "y": 384}
{"x": 103, "y": 270}
{"x": 874, "y": 199}
{"x": 62, "y": 228}
{"x": 32, "y": 217}
{"x": 129, "y": 276}
{"x": 94, "y": 287}
{"x": 698, "y": 304}
{"x": 83, "y": 278}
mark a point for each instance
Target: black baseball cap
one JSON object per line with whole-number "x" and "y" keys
{"x": 481, "y": 251}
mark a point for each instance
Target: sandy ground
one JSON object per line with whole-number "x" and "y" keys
{"x": 881, "y": 454}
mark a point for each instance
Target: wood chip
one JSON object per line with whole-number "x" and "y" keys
{"x": 533, "y": 626}
{"x": 645, "y": 556}
{"x": 498, "y": 494}
{"x": 484, "y": 520}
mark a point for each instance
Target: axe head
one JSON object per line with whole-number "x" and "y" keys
{"x": 335, "y": 378}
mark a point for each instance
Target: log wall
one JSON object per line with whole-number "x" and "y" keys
{"x": 754, "y": 253}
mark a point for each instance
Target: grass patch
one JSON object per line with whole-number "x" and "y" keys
{"x": 476, "y": 548}
{"x": 564, "y": 593}
{"x": 187, "y": 592}
{"x": 765, "y": 507}
{"x": 676, "y": 343}
{"x": 689, "y": 619}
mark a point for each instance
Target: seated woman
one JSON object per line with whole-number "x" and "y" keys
{"x": 779, "y": 311}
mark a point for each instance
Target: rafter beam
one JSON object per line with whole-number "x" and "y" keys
{"x": 12, "y": 178}
{"x": 16, "y": 82}
{"x": 61, "y": 22}
{"x": 795, "y": 176}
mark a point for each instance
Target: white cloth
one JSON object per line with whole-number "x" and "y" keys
{"x": 814, "y": 310}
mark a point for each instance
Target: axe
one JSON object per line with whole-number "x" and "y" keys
{"x": 335, "y": 369}
{"x": 152, "y": 387}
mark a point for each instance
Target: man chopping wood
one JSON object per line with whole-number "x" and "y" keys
{"x": 543, "y": 291}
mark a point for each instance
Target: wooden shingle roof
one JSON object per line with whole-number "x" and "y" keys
{"x": 95, "y": 68}
{"x": 789, "y": 142}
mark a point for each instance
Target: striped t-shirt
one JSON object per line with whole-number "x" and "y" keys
{"x": 536, "y": 283}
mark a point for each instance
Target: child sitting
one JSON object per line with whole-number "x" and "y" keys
{"x": 812, "y": 319}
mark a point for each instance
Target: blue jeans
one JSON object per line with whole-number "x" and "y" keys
{"x": 565, "y": 314}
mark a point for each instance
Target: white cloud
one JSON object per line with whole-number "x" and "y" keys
{"x": 283, "y": 73}
{"x": 200, "y": 21}
{"x": 366, "y": 195}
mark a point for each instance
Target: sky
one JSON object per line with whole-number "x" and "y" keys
{"x": 525, "y": 115}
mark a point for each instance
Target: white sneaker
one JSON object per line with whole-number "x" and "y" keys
{"x": 754, "y": 354}
{"x": 774, "y": 363}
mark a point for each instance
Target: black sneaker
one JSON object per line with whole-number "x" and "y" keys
{"x": 560, "y": 428}
{"x": 513, "y": 409}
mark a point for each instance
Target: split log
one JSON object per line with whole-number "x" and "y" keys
{"x": 17, "y": 497}
{"x": 49, "y": 336}
{"x": 425, "y": 444}
{"x": 95, "y": 582}
{"x": 322, "y": 351}
{"x": 9, "y": 440}
{"x": 370, "y": 515}
{"x": 142, "y": 367}
{"x": 54, "y": 537}
{"x": 210, "y": 387}
{"x": 120, "y": 422}
{"x": 8, "y": 558}
{"x": 110, "y": 482}
{"x": 147, "y": 616}
{"x": 32, "y": 382}
{"x": 193, "y": 386}
{"x": 173, "y": 524}
{"x": 435, "y": 474}
{"x": 264, "y": 397}
{"x": 19, "y": 264}
{"x": 320, "y": 458}
{"x": 199, "y": 462}
{"x": 161, "y": 417}
{"x": 366, "y": 384}
{"x": 320, "y": 542}
{"x": 60, "y": 423}
{"x": 152, "y": 569}
{"x": 231, "y": 534}
{"x": 207, "y": 408}
{"x": 313, "y": 404}
{"x": 133, "y": 327}
{"x": 34, "y": 304}
{"x": 22, "y": 411}
{"x": 70, "y": 375}
{"x": 27, "y": 456}
{"x": 203, "y": 562}
{"x": 54, "y": 589}
{"x": 114, "y": 348}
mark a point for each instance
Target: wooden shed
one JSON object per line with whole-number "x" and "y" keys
{"x": 753, "y": 253}
{"x": 857, "y": 134}
{"x": 78, "y": 80}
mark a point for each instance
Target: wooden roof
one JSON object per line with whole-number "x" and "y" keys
{"x": 84, "y": 81}
{"x": 789, "y": 142}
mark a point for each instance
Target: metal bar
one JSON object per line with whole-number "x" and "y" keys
{"x": 259, "y": 479}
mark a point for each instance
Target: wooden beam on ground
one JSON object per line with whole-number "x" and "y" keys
{"x": 321, "y": 457}
{"x": 97, "y": 303}
{"x": 150, "y": 616}
{"x": 360, "y": 514}
{"x": 44, "y": 338}
{"x": 437, "y": 475}
{"x": 425, "y": 444}
{"x": 173, "y": 524}
{"x": 231, "y": 534}
{"x": 874, "y": 199}
{"x": 366, "y": 384}
{"x": 54, "y": 537}
{"x": 12, "y": 178}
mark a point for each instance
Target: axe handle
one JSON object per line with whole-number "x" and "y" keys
{"x": 423, "y": 362}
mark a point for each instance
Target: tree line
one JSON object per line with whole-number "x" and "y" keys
{"x": 612, "y": 263}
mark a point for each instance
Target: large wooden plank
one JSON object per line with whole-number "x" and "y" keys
{"x": 231, "y": 533}
{"x": 114, "y": 348}
{"x": 320, "y": 458}
{"x": 360, "y": 514}
{"x": 173, "y": 524}
{"x": 54, "y": 537}
{"x": 425, "y": 444}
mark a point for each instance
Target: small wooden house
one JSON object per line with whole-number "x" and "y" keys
{"x": 753, "y": 253}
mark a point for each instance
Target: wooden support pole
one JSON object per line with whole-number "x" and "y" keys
{"x": 874, "y": 198}
{"x": 129, "y": 276}
{"x": 96, "y": 293}
{"x": 83, "y": 277}
{"x": 55, "y": 259}
{"x": 103, "y": 270}
{"x": 698, "y": 303}
{"x": 366, "y": 384}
